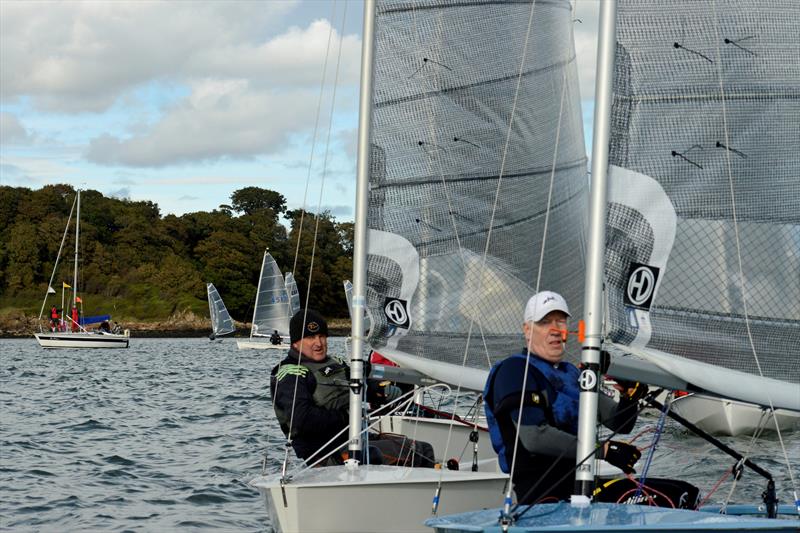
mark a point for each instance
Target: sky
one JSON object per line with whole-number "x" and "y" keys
{"x": 184, "y": 102}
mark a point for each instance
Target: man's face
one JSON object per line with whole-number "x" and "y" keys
{"x": 315, "y": 347}
{"x": 544, "y": 337}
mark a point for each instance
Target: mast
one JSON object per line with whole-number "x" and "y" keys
{"x": 360, "y": 230}
{"x": 77, "y": 234}
{"x": 593, "y": 301}
{"x": 258, "y": 293}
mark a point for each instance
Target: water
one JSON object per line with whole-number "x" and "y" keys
{"x": 166, "y": 434}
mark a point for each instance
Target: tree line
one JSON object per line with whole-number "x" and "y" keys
{"x": 140, "y": 265}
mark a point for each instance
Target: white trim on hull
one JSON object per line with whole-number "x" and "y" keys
{"x": 82, "y": 340}
{"x": 720, "y": 416}
{"x": 250, "y": 344}
{"x": 387, "y": 498}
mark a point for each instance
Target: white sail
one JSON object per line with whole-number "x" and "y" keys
{"x": 703, "y": 249}
{"x": 221, "y": 321}
{"x": 272, "y": 306}
{"x": 469, "y": 180}
{"x": 294, "y": 294}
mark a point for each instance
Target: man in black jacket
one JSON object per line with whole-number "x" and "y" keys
{"x": 310, "y": 391}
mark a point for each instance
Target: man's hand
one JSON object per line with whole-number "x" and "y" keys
{"x": 621, "y": 455}
{"x": 632, "y": 391}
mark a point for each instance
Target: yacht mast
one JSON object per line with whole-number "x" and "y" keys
{"x": 593, "y": 301}
{"x": 360, "y": 237}
{"x": 77, "y": 234}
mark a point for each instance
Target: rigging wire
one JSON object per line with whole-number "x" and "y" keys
{"x": 319, "y": 204}
{"x": 287, "y": 444}
{"x": 55, "y": 265}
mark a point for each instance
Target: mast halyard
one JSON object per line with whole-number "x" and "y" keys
{"x": 360, "y": 232}
{"x": 593, "y": 300}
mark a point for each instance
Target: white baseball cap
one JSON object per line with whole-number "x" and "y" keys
{"x": 542, "y": 303}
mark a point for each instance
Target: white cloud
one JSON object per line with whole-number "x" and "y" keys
{"x": 220, "y": 119}
{"x": 81, "y": 56}
{"x": 12, "y": 131}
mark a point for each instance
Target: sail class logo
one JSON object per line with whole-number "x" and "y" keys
{"x": 396, "y": 312}
{"x": 641, "y": 286}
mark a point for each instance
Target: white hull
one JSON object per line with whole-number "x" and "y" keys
{"x": 435, "y": 432}
{"x": 381, "y": 498}
{"x": 250, "y": 344}
{"x": 729, "y": 417}
{"x": 82, "y": 340}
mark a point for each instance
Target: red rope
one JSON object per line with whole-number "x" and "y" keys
{"x": 714, "y": 489}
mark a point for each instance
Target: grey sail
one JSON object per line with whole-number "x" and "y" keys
{"x": 472, "y": 145}
{"x": 272, "y": 307}
{"x": 703, "y": 240}
{"x": 221, "y": 321}
{"x": 294, "y": 294}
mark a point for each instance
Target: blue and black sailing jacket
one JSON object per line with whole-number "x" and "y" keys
{"x": 551, "y": 396}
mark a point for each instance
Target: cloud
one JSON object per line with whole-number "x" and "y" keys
{"x": 123, "y": 194}
{"x": 12, "y": 131}
{"x": 81, "y": 56}
{"x": 220, "y": 119}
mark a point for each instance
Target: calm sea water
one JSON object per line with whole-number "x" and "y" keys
{"x": 165, "y": 435}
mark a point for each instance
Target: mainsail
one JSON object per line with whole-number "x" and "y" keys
{"x": 703, "y": 239}
{"x": 272, "y": 307}
{"x": 221, "y": 321}
{"x": 294, "y": 294}
{"x": 477, "y": 164}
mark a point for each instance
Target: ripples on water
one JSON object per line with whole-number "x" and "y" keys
{"x": 166, "y": 434}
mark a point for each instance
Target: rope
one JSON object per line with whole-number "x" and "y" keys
{"x": 308, "y": 178}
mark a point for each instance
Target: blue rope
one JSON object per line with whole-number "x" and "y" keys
{"x": 651, "y": 453}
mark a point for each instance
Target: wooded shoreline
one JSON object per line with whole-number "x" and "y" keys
{"x": 19, "y": 325}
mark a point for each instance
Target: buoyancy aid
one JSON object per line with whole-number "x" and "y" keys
{"x": 551, "y": 396}
{"x": 332, "y": 378}
{"x": 328, "y": 379}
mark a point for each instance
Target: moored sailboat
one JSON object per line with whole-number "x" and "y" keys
{"x": 69, "y": 330}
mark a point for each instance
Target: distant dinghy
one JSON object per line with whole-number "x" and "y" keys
{"x": 272, "y": 310}
{"x": 221, "y": 321}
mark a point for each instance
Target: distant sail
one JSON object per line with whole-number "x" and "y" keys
{"x": 273, "y": 307}
{"x": 221, "y": 321}
{"x": 294, "y": 295}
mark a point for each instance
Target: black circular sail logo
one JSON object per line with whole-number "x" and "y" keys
{"x": 396, "y": 312}
{"x": 641, "y": 285}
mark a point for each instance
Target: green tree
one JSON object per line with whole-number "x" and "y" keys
{"x": 251, "y": 199}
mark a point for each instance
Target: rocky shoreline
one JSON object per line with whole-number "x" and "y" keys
{"x": 181, "y": 324}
